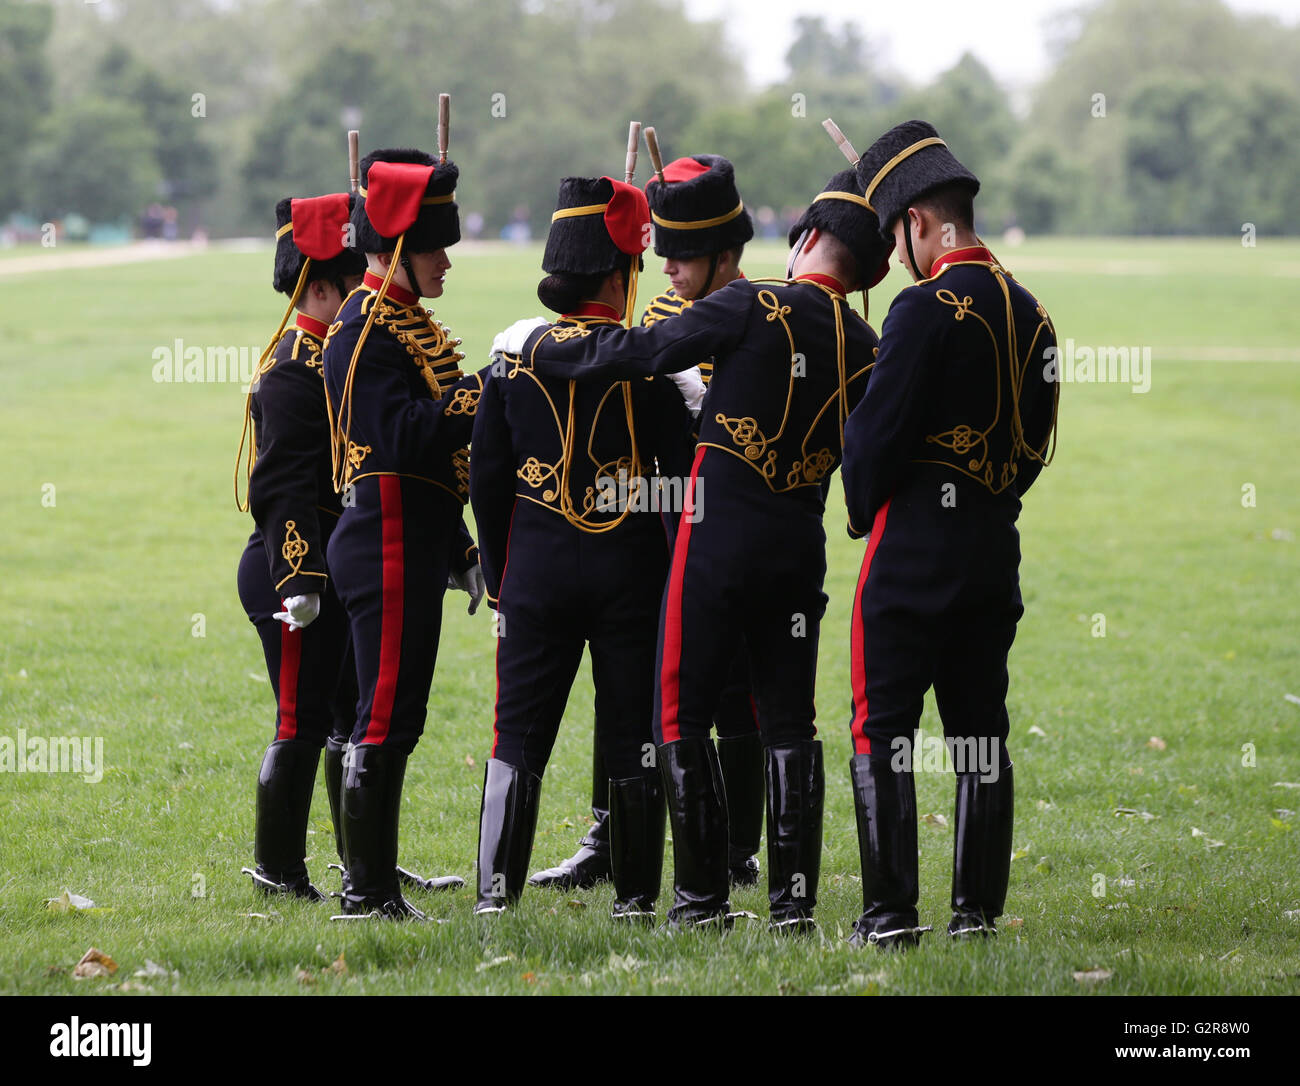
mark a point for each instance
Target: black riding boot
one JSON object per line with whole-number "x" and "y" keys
{"x": 371, "y": 806}
{"x": 591, "y": 863}
{"x": 697, "y": 810}
{"x": 885, "y": 801}
{"x": 284, "y": 786}
{"x": 981, "y": 861}
{"x": 741, "y": 758}
{"x": 334, "y": 752}
{"x": 795, "y": 803}
{"x": 636, "y": 814}
{"x": 507, "y": 822}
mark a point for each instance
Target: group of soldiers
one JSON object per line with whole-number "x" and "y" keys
{"x": 701, "y": 608}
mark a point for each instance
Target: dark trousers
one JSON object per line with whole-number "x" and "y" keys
{"x": 937, "y": 604}
{"x": 311, "y": 669}
{"x": 746, "y": 577}
{"x": 388, "y": 557}
{"x": 562, "y": 589}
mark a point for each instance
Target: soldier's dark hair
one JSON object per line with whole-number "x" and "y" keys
{"x": 563, "y": 292}
{"x": 952, "y": 203}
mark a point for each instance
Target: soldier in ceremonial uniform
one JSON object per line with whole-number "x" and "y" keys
{"x": 402, "y": 413}
{"x": 574, "y": 553}
{"x": 283, "y": 581}
{"x": 953, "y": 430}
{"x": 790, "y": 361}
{"x": 700, "y": 229}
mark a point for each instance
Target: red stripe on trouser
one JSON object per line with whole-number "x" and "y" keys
{"x": 857, "y": 647}
{"x": 394, "y": 599}
{"x": 501, "y": 591}
{"x": 670, "y": 677}
{"x": 290, "y": 662}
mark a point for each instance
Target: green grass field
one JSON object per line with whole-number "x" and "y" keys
{"x": 1157, "y": 767}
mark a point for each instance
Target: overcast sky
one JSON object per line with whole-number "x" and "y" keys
{"x": 917, "y": 38}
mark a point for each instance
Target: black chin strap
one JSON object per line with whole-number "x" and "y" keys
{"x": 708, "y": 279}
{"x": 911, "y": 255}
{"x": 415, "y": 283}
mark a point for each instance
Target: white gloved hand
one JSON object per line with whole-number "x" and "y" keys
{"x": 470, "y": 581}
{"x": 512, "y": 340}
{"x": 300, "y": 611}
{"x": 691, "y": 385}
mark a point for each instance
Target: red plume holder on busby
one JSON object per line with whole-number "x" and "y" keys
{"x": 313, "y": 228}
{"x": 696, "y": 208}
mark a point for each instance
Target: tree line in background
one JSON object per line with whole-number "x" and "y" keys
{"x": 1157, "y": 116}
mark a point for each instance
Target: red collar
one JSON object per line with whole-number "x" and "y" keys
{"x": 400, "y": 295}
{"x": 312, "y": 326}
{"x": 824, "y": 280}
{"x": 592, "y": 309}
{"x": 957, "y": 256}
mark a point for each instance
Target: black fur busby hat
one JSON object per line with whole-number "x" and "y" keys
{"x": 696, "y": 209}
{"x": 903, "y": 165}
{"x": 841, "y": 210}
{"x": 318, "y": 226}
{"x": 596, "y": 220}
{"x": 410, "y": 192}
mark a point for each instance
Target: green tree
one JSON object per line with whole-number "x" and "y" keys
{"x": 25, "y": 85}
{"x": 96, "y": 158}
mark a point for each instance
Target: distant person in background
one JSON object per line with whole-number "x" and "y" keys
{"x": 953, "y": 430}
{"x": 284, "y": 584}
{"x": 700, "y": 229}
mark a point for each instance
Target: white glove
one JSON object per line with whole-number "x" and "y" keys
{"x": 691, "y": 385}
{"x": 512, "y": 340}
{"x": 300, "y": 611}
{"x": 470, "y": 581}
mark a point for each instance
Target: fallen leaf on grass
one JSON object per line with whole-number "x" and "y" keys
{"x": 1044, "y": 865}
{"x": 482, "y": 966}
{"x": 303, "y": 977}
{"x": 1093, "y": 976}
{"x": 1014, "y": 922}
{"x": 1286, "y": 784}
{"x": 1020, "y": 853}
{"x": 338, "y": 966}
{"x": 530, "y": 978}
{"x": 1210, "y": 842}
{"x": 469, "y": 761}
{"x": 1279, "y": 824}
{"x": 1036, "y": 730}
{"x": 935, "y": 820}
{"x": 574, "y": 903}
{"x": 1156, "y": 743}
{"x": 1293, "y": 699}
{"x": 68, "y": 902}
{"x": 94, "y": 963}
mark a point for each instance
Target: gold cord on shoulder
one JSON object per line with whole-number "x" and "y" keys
{"x": 246, "y": 434}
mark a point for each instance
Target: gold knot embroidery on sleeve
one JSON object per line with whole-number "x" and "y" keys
{"x": 295, "y": 548}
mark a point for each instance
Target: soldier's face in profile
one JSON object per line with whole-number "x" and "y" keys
{"x": 431, "y": 271}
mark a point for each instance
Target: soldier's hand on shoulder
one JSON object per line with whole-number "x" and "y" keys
{"x": 512, "y": 340}
{"x": 299, "y": 611}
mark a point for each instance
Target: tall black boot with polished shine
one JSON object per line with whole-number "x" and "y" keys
{"x": 697, "y": 812}
{"x": 795, "y": 804}
{"x": 284, "y": 786}
{"x": 741, "y": 759}
{"x": 885, "y": 802}
{"x": 636, "y": 817}
{"x": 507, "y": 823}
{"x": 981, "y": 860}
